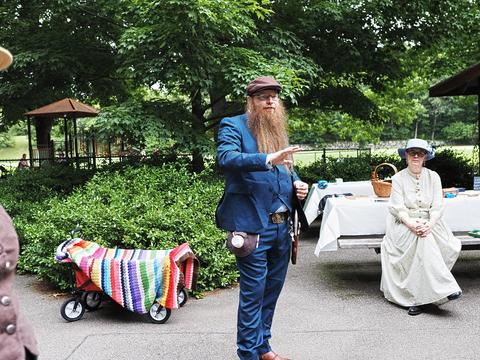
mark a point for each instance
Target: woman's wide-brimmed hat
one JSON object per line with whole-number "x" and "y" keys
{"x": 5, "y": 58}
{"x": 419, "y": 144}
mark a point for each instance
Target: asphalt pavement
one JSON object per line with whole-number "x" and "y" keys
{"x": 330, "y": 308}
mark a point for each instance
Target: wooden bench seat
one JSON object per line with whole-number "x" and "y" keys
{"x": 374, "y": 241}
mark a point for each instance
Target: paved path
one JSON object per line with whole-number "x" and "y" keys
{"x": 331, "y": 308}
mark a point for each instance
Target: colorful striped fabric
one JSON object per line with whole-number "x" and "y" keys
{"x": 135, "y": 279}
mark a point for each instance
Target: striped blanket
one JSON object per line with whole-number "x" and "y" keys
{"x": 135, "y": 279}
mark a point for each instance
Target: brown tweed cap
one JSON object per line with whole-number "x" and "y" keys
{"x": 263, "y": 83}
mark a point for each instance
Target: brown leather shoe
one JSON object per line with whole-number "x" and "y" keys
{"x": 272, "y": 356}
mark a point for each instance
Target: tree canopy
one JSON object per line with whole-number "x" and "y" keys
{"x": 61, "y": 49}
{"x": 354, "y": 70}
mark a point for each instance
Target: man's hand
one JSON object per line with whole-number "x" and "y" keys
{"x": 284, "y": 156}
{"x": 301, "y": 189}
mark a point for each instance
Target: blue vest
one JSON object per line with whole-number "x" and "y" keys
{"x": 282, "y": 190}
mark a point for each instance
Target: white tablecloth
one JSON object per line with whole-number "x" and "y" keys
{"x": 316, "y": 194}
{"x": 367, "y": 216}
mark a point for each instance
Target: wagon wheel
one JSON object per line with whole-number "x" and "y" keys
{"x": 182, "y": 297}
{"x": 92, "y": 300}
{"x": 72, "y": 309}
{"x": 158, "y": 314}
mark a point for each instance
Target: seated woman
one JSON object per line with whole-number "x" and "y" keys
{"x": 418, "y": 250}
{"x": 23, "y": 163}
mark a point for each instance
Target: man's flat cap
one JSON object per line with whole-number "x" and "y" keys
{"x": 263, "y": 83}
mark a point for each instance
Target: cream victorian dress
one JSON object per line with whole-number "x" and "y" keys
{"x": 416, "y": 270}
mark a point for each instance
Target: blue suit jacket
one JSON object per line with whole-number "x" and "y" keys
{"x": 251, "y": 186}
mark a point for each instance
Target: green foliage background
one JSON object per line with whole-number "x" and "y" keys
{"x": 138, "y": 207}
{"x": 151, "y": 206}
{"x": 165, "y": 72}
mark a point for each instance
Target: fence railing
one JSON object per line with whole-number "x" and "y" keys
{"x": 88, "y": 161}
{"x": 9, "y": 166}
{"x": 322, "y": 154}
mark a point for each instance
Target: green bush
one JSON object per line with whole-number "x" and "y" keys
{"x": 460, "y": 132}
{"x": 23, "y": 191}
{"x": 5, "y": 140}
{"x": 349, "y": 169}
{"x": 454, "y": 168}
{"x": 140, "y": 207}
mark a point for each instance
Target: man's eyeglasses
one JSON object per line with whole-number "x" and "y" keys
{"x": 264, "y": 97}
{"x": 419, "y": 153}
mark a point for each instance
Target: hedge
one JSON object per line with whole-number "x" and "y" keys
{"x": 138, "y": 207}
{"x": 25, "y": 190}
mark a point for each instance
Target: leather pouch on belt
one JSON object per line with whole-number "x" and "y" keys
{"x": 241, "y": 243}
{"x": 278, "y": 218}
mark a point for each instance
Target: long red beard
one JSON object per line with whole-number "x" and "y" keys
{"x": 269, "y": 129}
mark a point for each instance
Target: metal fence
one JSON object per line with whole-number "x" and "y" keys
{"x": 46, "y": 157}
{"x": 10, "y": 166}
{"x": 324, "y": 153}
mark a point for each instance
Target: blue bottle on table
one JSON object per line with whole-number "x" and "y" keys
{"x": 322, "y": 184}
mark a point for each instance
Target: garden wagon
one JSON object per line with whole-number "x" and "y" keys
{"x": 143, "y": 281}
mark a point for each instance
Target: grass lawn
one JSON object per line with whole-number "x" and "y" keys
{"x": 308, "y": 156}
{"x": 15, "y": 153}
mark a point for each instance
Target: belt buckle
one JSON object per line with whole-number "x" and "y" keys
{"x": 277, "y": 218}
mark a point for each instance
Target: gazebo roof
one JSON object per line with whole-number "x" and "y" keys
{"x": 66, "y": 107}
{"x": 466, "y": 82}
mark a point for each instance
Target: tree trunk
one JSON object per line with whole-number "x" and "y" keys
{"x": 43, "y": 126}
{"x": 198, "y": 127}
{"x": 219, "y": 107}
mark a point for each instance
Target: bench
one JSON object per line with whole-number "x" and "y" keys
{"x": 374, "y": 241}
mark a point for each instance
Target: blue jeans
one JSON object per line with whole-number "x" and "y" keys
{"x": 262, "y": 274}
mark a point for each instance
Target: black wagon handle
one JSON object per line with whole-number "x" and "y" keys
{"x": 77, "y": 229}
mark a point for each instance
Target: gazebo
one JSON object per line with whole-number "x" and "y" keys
{"x": 466, "y": 82}
{"x": 66, "y": 109}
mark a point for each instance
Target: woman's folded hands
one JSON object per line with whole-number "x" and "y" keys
{"x": 420, "y": 227}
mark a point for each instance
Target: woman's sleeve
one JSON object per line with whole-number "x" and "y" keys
{"x": 397, "y": 201}
{"x": 8, "y": 244}
{"x": 438, "y": 204}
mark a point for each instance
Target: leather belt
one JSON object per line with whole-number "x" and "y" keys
{"x": 278, "y": 218}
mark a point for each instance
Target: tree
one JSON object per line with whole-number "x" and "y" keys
{"x": 207, "y": 51}
{"x": 146, "y": 123}
{"x": 61, "y": 49}
{"x": 375, "y": 57}
{"x": 348, "y": 67}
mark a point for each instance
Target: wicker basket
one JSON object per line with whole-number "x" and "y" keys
{"x": 382, "y": 188}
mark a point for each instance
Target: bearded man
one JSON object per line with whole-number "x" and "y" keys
{"x": 255, "y": 209}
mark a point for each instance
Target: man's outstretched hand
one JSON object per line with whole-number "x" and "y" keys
{"x": 284, "y": 156}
